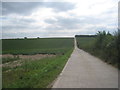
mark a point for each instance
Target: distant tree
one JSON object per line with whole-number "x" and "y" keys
{"x": 25, "y": 37}
{"x": 108, "y": 33}
{"x": 103, "y": 39}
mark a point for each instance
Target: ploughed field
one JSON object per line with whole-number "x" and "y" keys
{"x": 34, "y": 63}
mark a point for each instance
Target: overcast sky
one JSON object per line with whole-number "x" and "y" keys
{"x": 58, "y": 19}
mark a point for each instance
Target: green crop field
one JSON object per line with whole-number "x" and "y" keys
{"x": 34, "y": 46}
{"x": 36, "y": 73}
{"x": 85, "y": 43}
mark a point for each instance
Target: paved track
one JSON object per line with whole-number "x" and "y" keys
{"x": 86, "y": 71}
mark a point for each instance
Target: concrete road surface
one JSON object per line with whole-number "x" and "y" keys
{"x": 86, "y": 71}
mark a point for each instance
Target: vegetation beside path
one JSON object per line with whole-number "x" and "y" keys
{"x": 103, "y": 45}
{"x": 35, "y": 73}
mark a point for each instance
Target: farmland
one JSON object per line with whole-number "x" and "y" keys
{"x": 85, "y": 43}
{"x": 38, "y": 72}
{"x": 34, "y": 46}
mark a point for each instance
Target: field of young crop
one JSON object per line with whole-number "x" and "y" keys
{"x": 37, "y": 72}
{"x": 35, "y": 46}
{"x": 86, "y": 43}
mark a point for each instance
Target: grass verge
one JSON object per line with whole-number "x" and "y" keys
{"x": 35, "y": 74}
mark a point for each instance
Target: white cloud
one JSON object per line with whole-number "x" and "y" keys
{"x": 86, "y": 17}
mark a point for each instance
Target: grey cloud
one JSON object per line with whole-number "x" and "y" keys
{"x": 77, "y": 22}
{"x": 26, "y": 8}
{"x": 18, "y": 7}
{"x": 119, "y": 14}
{"x": 11, "y": 27}
{"x": 0, "y": 9}
{"x": 35, "y": 34}
{"x": 20, "y": 35}
{"x": 18, "y": 24}
{"x": 64, "y": 23}
{"x": 25, "y": 20}
{"x": 21, "y": 21}
{"x": 95, "y": 29}
{"x": 19, "y": 28}
{"x": 60, "y": 6}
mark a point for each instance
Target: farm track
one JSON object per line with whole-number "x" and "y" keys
{"x": 86, "y": 71}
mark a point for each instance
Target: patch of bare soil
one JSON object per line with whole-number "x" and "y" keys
{"x": 22, "y": 59}
{"x": 36, "y": 56}
{"x": 13, "y": 64}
